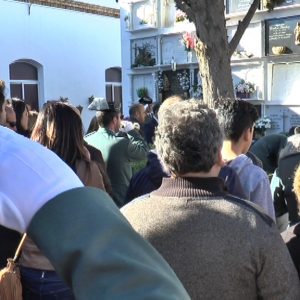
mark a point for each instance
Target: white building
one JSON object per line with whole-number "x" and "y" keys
{"x": 268, "y": 55}
{"x": 68, "y": 49}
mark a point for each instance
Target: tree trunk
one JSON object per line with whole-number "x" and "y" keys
{"x": 212, "y": 49}
{"x": 213, "y": 53}
{"x": 215, "y": 72}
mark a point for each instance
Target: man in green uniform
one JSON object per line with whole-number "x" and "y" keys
{"x": 119, "y": 150}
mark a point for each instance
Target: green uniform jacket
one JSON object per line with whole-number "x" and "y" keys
{"x": 118, "y": 152}
{"x": 96, "y": 251}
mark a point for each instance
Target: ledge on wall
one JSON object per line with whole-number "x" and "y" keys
{"x": 78, "y": 6}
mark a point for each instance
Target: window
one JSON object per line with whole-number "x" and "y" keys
{"x": 113, "y": 85}
{"x": 24, "y": 83}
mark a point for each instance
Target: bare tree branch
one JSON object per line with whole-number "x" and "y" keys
{"x": 242, "y": 25}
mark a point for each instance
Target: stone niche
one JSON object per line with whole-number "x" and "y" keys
{"x": 282, "y": 117}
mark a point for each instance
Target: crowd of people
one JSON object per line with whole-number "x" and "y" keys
{"x": 201, "y": 219}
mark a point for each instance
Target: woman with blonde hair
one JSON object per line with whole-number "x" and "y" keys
{"x": 59, "y": 128}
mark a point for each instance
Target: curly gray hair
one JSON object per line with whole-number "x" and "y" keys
{"x": 188, "y": 138}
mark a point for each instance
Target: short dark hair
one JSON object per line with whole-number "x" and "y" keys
{"x": 19, "y": 107}
{"x": 106, "y": 117}
{"x": 235, "y": 116}
{"x": 135, "y": 108}
{"x": 2, "y": 97}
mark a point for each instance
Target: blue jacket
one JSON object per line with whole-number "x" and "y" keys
{"x": 150, "y": 178}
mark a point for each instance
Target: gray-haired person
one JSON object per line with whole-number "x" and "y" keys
{"x": 220, "y": 246}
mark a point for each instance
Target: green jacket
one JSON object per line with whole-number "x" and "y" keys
{"x": 118, "y": 153}
{"x": 96, "y": 251}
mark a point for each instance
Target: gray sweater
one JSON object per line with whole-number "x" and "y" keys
{"x": 220, "y": 247}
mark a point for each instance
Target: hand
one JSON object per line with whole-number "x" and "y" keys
{"x": 31, "y": 175}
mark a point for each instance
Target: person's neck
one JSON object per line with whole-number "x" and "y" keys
{"x": 214, "y": 172}
{"x": 111, "y": 127}
{"x": 231, "y": 150}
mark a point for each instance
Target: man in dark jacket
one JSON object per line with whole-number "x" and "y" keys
{"x": 151, "y": 124}
{"x": 150, "y": 178}
{"x": 267, "y": 149}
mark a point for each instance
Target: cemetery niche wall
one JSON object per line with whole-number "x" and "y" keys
{"x": 283, "y": 36}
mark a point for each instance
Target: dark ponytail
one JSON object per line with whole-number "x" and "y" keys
{"x": 2, "y": 97}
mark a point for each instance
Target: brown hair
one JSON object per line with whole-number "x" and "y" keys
{"x": 59, "y": 128}
{"x": 2, "y": 97}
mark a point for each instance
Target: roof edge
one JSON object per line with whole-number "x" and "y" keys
{"x": 77, "y": 6}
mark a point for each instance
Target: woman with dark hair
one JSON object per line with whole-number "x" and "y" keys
{"x": 22, "y": 116}
{"x": 2, "y": 103}
{"x": 94, "y": 125}
{"x": 59, "y": 128}
{"x": 9, "y": 238}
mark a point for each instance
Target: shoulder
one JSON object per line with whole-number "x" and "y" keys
{"x": 135, "y": 202}
{"x": 251, "y": 207}
{"x": 91, "y": 134}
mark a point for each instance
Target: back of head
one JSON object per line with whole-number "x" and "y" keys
{"x": 135, "y": 109}
{"x": 188, "y": 137}
{"x": 2, "y": 97}
{"x": 59, "y": 128}
{"x": 106, "y": 117}
{"x": 292, "y": 146}
{"x": 19, "y": 107}
{"x": 168, "y": 103}
{"x": 235, "y": 116}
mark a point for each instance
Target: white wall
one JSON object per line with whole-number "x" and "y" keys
{"x": 73, "y": 48}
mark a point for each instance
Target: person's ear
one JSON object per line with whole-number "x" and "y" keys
{"x": 248, "y": 134}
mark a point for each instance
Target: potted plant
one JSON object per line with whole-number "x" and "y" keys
{"x": 143, "y": 95}
{"x": 244, "y": 89}
{"x": 144, "y": 56}
{"x": 270, "y": 4}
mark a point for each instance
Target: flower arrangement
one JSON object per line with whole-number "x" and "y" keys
{"x": 180, "y": 16}
{"x": 160, "y": 81}
{"x": 245, "y": 87}
{"x": 188, "y": 41}
{"x": 263, "y": 123}
{"x": 197, "y": 91}
{"x": 184, "y": 80}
